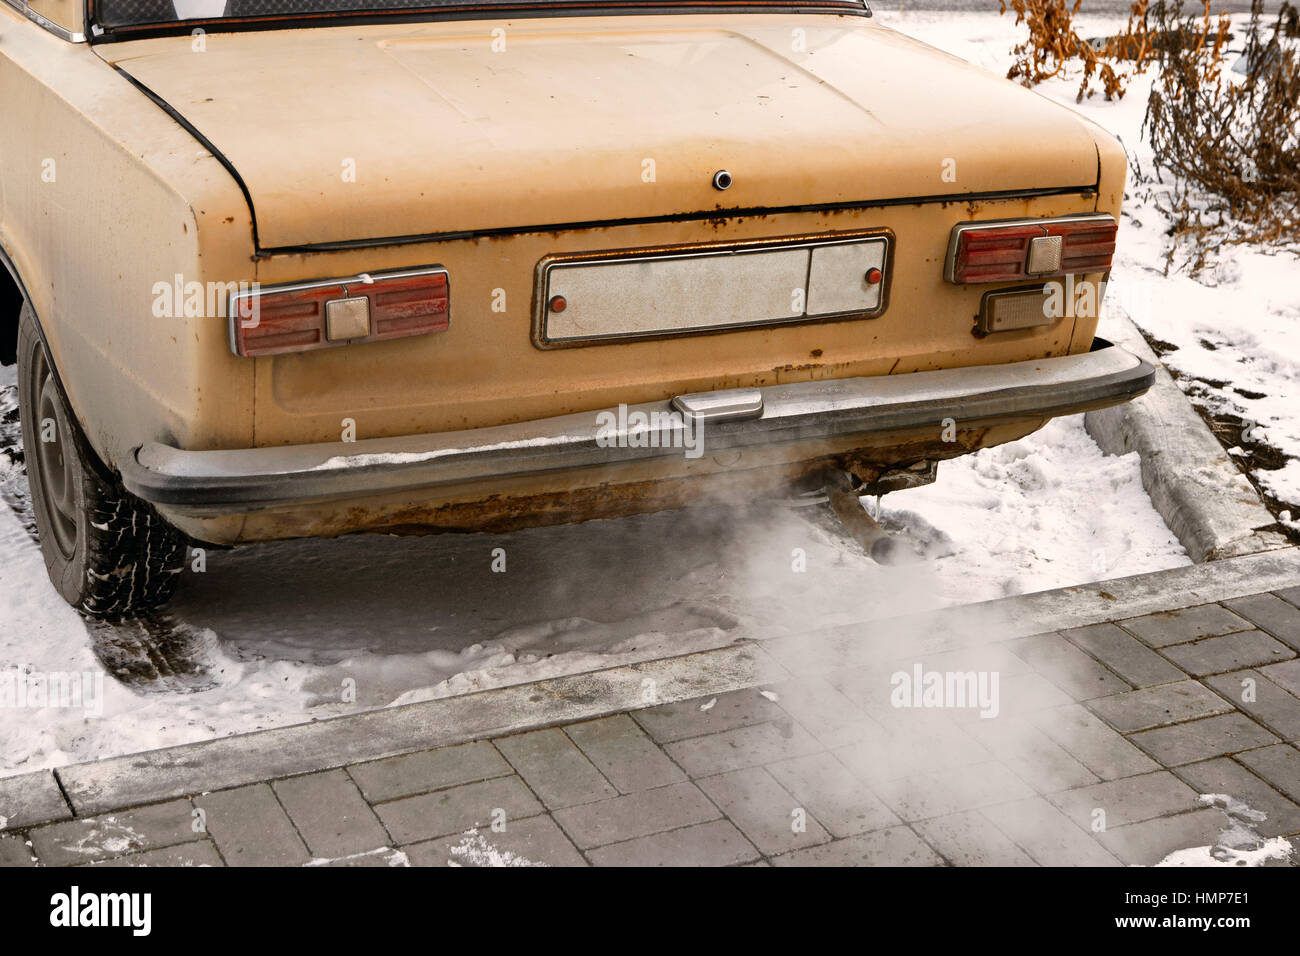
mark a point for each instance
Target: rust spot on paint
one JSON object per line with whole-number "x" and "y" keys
{"x": 495, "y": 513}
{"x": 796, "y": 368}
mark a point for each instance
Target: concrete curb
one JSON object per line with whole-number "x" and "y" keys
{"x": 118, "y": 782}
{"x": 29, "y": 799}
{"x": 335, "y": 742}
{"x": 1205, "y": 500}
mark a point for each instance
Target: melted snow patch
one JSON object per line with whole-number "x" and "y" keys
{"x": 1238, "y": 845}
{"x": 476, "y": 851}
{"x": 391, "y": 857}
{"x": 107, "y": 838}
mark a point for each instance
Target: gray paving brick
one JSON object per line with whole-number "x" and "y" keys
{"x": 1232, "y": 652}
{"x": 718, "y": 843}
{"x": 330, "y": 814}
{"x": 1286, "y": 675}
{"x": 870, "y": 688}
{"x": 1094, "y": 744}
{"x": 557, "y": 771}
{"x": 1047, "y": 834}
{"x": 1124, "y": 654}
{"x": 456, "y": 809}
{"x": 1067, "y": 667}
{"x": 1290, "y": 595}
{"x": 14, "y": 851}
{"x": 1033, "y": 756}
{"x": 427, "y": 770}
{"x": 875, "y": 686}
{"x": 1125, "y": 801}
{"x": 1271, "y": 705}
{"x": 763, "y": 810}
{"x": 669, "y": 722}
{"x": 823, "y": 710}
{"x": 636, "y": 815}
{"x": 620, "y": 749}
{"x": 1149, "y": 842}
{"x": 833, "y": 794}
{"x": 1279, "y": 765}
{"x": 951, "y": 791}
{"x": 1269, "y": 612}
{"x": 742, "y": 747}
{"x": 970, "y": 839}
{"x": 1175, "y": 627}
{"x": 250, "y": 828}
{"x": 115, "y": 834}
{"x": 1226, "y": 776}
{"x": 535, "y": 841}
{"x": 1158, "y": 706}
{"x": 186, "y": 854}
{"x": 911, "y": 742}
{"x": 1027, "y": 693}
{"x": 979, "y": 657}
{"x": 897, "y": 846}
{"x": 29, "y": 799}
{"x": 1203, "y": 739}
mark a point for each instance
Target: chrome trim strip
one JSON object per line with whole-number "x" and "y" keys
{"x": 957, "y": 230}
{"x": 243, "y": 480}
{"x": 63, "y": 33}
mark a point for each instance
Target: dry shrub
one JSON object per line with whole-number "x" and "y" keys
{"x": 1053, "y": 43}
{"x": 1226, "y": 146}
{"x": 1230, "y": 143}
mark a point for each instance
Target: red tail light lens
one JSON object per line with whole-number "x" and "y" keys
{"x": 1000, "y": 252}
{"x": 317, "y": 315}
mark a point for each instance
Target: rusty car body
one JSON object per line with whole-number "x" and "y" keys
{"x": 305, "y": 268}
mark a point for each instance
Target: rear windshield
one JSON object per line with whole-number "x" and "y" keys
{"x": 190, "y": 13}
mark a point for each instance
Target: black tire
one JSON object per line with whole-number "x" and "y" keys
{"x": 107, "y": 552}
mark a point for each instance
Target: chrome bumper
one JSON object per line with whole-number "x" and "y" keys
{"x": 243, "y": 480}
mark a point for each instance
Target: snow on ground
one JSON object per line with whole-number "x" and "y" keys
{"x": 294, "y": 631}
{"x": 1239, "y": 843}
{"x": 281, "y": 633}
{"x": 1235, "y": 329}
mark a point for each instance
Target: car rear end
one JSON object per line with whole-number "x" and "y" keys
{"x": 461, "y": 305}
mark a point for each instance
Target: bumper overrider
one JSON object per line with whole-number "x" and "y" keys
{"x": 210, "y": 483}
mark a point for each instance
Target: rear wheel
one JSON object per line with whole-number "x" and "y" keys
{"x": 109, "y": 554}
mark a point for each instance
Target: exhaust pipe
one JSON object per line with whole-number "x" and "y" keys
{"x": 845, "y": 501}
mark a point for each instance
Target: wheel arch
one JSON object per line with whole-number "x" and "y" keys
{"x": 13, "y": 297}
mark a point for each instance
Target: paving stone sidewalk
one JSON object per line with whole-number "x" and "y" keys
{"x": 1105, "y": 740}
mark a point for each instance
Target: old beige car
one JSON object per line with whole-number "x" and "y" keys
{"x": 289, "y": 268}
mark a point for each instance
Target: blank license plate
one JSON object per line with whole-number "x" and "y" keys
{"x": 664, "y": 295}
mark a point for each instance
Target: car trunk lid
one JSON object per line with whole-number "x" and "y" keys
{"x": 368, "y": 133}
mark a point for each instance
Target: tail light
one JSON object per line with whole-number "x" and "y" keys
{"x": 272, "y": 320}
{"x": 1029, "y": 249}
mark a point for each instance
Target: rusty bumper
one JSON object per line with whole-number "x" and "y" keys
{"x": 209, "y": 483}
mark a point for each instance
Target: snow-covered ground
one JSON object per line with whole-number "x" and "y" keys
{"x": 1231, "y": 336}
{"x": 282, "y": 633}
